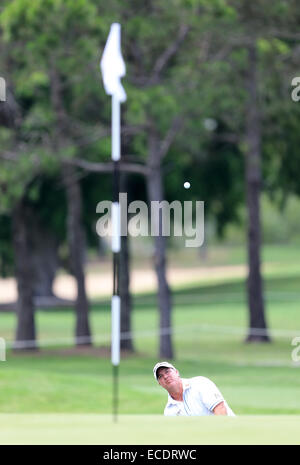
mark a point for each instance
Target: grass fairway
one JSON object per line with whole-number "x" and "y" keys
{"x": 147, "y": 429}
{"x": 254, "y": 378}
{"x": 63, "y": 396}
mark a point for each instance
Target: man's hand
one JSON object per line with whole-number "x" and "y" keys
{"x": 220, "y": 409}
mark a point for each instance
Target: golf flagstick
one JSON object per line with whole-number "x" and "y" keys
{"x": 113, "y": 68}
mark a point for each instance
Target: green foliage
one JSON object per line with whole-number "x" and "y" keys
{"x": 203, "y": 79}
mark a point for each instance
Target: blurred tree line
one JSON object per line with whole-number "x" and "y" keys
{"x": 209, "y": 100}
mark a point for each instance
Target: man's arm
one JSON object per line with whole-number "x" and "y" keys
{"x": 220, "y": 409}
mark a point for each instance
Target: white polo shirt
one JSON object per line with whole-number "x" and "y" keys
{"x": 200, "y": 397}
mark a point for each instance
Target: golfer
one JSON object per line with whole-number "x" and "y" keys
{"x": 194, "y": 396}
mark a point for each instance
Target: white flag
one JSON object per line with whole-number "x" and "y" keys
{"x": 112, "y": 64}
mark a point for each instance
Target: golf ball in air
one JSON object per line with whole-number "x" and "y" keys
{"x": 186, "y": 185}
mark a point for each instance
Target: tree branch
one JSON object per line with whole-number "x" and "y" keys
{"x": 227, "y": 137}
{"x": 289, "y": 35}
{"x": 107, "y": 167}
{"x": 9, "y": 156}
{"x": 170, "y": 136}
{"x": 170, "y": 51}
{"x": 163, "y": 60}
{"x": 106, "y": 132}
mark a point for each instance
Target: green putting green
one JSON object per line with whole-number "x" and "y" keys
{"x": 147, "y": 429}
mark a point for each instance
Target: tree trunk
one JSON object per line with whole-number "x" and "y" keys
{"x": 76, "y": 245}
{"x": 26, "y": 331}
{"x": 257, "y": 323}
{"x": 156, "y": 193}
{"x": 44, "y": 258}
{"x": 124, "y": 277}
{"x": 74, "y": 227}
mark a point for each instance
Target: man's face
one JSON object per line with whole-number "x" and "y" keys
{"x": 167, "y": 377}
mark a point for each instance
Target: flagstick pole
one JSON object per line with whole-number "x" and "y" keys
{"x": 113, "y": 68}
{"x": 116, "y": 248}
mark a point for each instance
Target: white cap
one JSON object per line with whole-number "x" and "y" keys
{"x": 162, "y": 364}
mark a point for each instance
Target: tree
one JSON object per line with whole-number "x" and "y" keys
{"x": 257, "y": 23}
{"x": 75, "y": 233}
{"x": 253, "y": 187}
{"x": 37, "y": 29}
{"x": 13, "y": 185}
{"x": 166, "y": 45}
{"x": 154, "y": 36}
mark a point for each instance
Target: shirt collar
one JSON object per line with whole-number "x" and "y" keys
{"x": 185, "y": 383}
